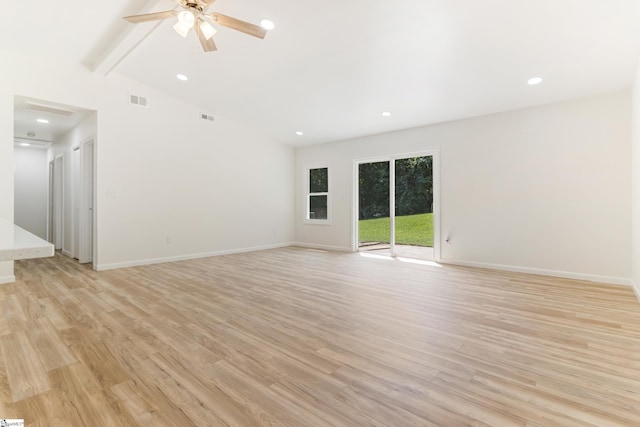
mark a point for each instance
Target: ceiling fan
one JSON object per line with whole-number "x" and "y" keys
{"x": 193, "y": 15}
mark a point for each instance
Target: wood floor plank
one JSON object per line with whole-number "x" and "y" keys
{"x": 49, "y": 345}
{"x": 204, "y": 394}
{"x": 292, "y": 337}
{"x": 83, "y": 400}
{"x": 5, "y": 389}
{"x": 26, "y": 373}
{"x": 96, "y": 355}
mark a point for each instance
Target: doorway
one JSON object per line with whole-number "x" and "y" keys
{"x": 69, "y": 136}
{"x": 397, "y": 206}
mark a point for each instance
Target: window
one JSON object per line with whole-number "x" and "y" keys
{"x": 318, "y": 195}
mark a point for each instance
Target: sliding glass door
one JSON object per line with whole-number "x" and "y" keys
{"x": 374, "y": 227}
{"x": 396, "y": 207}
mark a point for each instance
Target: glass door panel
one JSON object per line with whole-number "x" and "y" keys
{"x": 374, "y": 194}
{"x": 413, "y": 200}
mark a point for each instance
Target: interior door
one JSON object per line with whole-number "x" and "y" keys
{"x": 75, "y": 201}
{"x": 86, "y": 214}
{"x": 50, "y": 213}
{"x": 58, "y": 202}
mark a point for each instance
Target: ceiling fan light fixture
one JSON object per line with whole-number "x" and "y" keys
{"x": 267, "y": 24}
{"x": 186, "y": 18}
{"x": 192, "y": 14}
{"x": 185, "y": 23}
{"x": 207, "y": 30}
{"x": 181, "y": 29}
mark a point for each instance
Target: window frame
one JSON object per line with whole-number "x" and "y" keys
{"x": 309, "y": 194}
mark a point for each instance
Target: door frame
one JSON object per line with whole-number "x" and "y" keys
{"x": 87, "y": 203}
{"x": 57, "y": 202}
{"x": 75, "y": 201}
{"x": 435, "y": 154}
{"x": 50, "y": 224}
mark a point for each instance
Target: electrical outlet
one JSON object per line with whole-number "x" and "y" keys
{"x": 169, "y": 240}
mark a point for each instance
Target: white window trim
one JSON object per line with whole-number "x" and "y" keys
{"x": 308, "y": 195}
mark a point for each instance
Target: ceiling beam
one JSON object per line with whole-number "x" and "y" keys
{"x": 129, "y": 38}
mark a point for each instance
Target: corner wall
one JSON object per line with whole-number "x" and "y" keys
{"x": 542, "y": 190}
{"x": 635, "y": 166}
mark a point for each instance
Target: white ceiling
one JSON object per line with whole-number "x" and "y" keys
{"x": 330, "y": 68}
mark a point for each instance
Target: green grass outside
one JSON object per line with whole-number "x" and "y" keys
{"x": 410, "y": 230}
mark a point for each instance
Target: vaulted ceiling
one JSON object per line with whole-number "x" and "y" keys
{"x": 330, "y": 68}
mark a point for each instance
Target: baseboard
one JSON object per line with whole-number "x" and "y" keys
{"x": 611, "y": 280}
{"x": 67, "y": 253}
{"x": 7, "y": 279}
{"x": 636, "y": 289}
{"x": 141, "y": 262}
{"x": 322, "y": 247}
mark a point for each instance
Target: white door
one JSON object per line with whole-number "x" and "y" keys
{"x": 86, "y": 215}
{"x": 75, "y": 201}
{"x": 50, "y": 221}
{"x": 58, "y": 202}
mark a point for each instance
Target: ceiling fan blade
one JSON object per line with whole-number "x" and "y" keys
{"x": 207, "y": 45}
{"x": 207, "y": 3}
{"x": 238, "y": 25}
{"x": 135, "y": 19}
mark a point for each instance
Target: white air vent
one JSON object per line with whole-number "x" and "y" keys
{"x": 205, "y": 116}
{"x": 138, "y": 100}
{"x": 49, "y": 108}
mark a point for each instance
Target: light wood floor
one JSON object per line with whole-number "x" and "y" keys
{"x": 293, "y": 337}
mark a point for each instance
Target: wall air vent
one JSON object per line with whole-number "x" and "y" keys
{"x": 205, "y": 116}
{"x": 49, "y": 108}
{"x": 138, "y": 100}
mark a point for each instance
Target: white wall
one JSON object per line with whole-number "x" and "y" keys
{"x": 545, "y": 189}
{"x": 6, "y": 176}
{"x": 635, "y": 164}
{"x": 31, "y": 186}
{"x": 167, "y": 175}
{"x": 162, "y": 171}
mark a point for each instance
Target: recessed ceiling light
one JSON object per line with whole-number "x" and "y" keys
{"x": 534, "y": 81}
{"x": 42, "y": 120}
{"x": 386, "y": 114}
{"x": 267, "y": 24}
{"x": 299, "y": 133}
{"x": 25, "y": 144}
{"x": 182, "y": 77}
